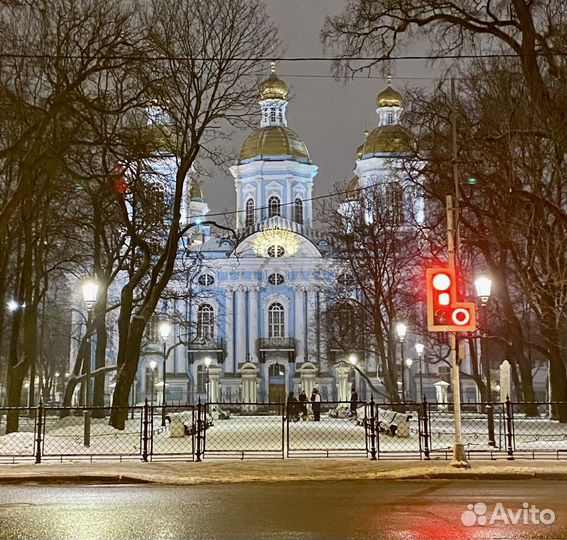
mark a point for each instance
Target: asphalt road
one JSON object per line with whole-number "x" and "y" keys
{"x": 420, "y": 509}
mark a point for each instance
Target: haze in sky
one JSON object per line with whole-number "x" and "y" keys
{"x": 328, "y": 114}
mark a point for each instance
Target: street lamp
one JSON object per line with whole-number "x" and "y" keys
{"x": 483, "y": 286}
{"x": 419, "y": 347}
{"x": 90, "y": 292}
{"x": 207, "y": 365}
{"x": 409, "y": 363}
{"x": 164, "y": 331}
{"x": 153, "y": 365}
{"x": 401, "y": 330}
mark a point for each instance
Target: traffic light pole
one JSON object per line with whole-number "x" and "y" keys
{"x": 453, "y": 244}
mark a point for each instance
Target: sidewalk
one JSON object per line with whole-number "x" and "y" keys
{"x": 271, "y": 470}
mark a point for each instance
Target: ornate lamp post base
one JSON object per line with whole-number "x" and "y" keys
{"x": 460, "y": 458}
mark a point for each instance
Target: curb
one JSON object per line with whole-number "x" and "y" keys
{"x": 184, "y": 481}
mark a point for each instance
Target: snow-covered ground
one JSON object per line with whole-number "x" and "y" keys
{"x": 271, "y": 435}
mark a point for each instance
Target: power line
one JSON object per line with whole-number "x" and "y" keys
{"x": 48, "y": 56}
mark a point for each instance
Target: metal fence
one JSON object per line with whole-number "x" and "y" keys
{"x": 283, "y": 430}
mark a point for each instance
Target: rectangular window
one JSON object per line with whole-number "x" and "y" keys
{"x": 201, "y": 379}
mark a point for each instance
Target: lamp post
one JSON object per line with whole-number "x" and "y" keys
{"x": 153, "y": 365}
{"x": 207, "y": 365}
{"x": 90, "y": 292}
{"x": 483, "y": 286}
{"x": 419, "y": 350}
{"x": 164, "y": 331}
{"x": 409, "y": 363}
{"x": 401, "y": 330}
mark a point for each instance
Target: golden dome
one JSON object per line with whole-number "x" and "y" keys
{"x": 274, "y": 141}
{"x": 359, "y": 151}
{"x": 352, "y": 189}
{"x": 389, "y": 97}
{"x": 273, "y": 87}
{"x": 392, "y": 139}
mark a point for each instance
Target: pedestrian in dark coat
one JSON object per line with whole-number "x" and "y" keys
{"x": 292, "y": 407}
{"x": 316, "y": 400}
{"x": 353, "y": 403}
{"x": 303, "y": 405}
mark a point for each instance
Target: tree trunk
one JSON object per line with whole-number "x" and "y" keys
{"x": 100, "y": 351}
{"x": 126, "y": 374}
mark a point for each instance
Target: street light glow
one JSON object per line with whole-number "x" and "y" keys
{"x": 208, "y": 361}
{"x": 90, "y": 292}
{"x": 419, "y": 348}
{"x": 483, "y": 287}
{"x": 164, "y": 329}
{"x": 409, "y": 362}
{"x": 401, "y": 330}
{"x": 352, "y": 359}
{"x": 153, "y": 364}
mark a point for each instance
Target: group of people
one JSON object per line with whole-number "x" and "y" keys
{"x": 297, "y": 407}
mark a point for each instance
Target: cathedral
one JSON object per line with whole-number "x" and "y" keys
{"x": 256, "y": 323}
{"x": 254, "y": 327}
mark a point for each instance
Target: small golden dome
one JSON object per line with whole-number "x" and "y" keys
{"x": 392, "y": 139}
{"x": 389, "y": 97}
{"x": 273, "y": 87}
{"x": 352, "y": 189}
{"x": 274, "y": 141}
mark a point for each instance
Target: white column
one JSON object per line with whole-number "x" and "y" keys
{"x": 299, "y": 324}
{"x": 308, "y": 382}
{"x": 240, "y": 324}
{"x": 214, "y": 384}
{"x": 253, "y": 322}
{"x": 342, "y": 373}
{"x": 230, "y": 360}
{"x": 311, "y": 345}
{"x": 324, "y": 360}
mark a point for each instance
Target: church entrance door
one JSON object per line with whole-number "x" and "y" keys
{"x": 276, "y": 383}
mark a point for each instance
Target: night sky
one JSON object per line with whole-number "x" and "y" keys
{"x": 328, "y": 114}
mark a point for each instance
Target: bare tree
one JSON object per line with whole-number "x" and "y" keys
{"x": 204, "y": 82}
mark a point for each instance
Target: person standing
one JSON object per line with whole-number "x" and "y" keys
{"x": 316, "y": 400}
{"x": 292, "y": 407}
{"x": 303, "y": 404}
{"x": 353, "y": 403}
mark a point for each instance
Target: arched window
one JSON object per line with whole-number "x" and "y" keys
{"x": 275, "y": 251}
{"x": 394, "y": 195}
{"x": 274, "y": 206}
{"x": 390, "y": 118}
{"x": 299, "y": 211}
{"x": 206, "y": 321}
{"x": 272, "y": 114}
{"x": 250, "y": 212}
{"x": 276, "y": 321}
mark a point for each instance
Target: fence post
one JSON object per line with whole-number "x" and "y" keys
{"x": 198, "y": 454}
{"x": 87, "y": 428}
{"x": 490, "y": 420}
{"x": 39, "y": 428}
{"x": 425, "y": 422}
{"x": 509, "y": 428}
{"x": 372, "y": 430}
{"x": 145, "y": 431}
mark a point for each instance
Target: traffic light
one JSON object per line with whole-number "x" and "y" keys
{"x": 444, "y": 313}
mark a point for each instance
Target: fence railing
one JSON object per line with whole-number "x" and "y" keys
{"x": 280, "y": 429}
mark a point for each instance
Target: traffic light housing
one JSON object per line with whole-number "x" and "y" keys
{"x": 444, "y": 313}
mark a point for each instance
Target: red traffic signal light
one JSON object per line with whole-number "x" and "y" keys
{"x": 444, "y": 313}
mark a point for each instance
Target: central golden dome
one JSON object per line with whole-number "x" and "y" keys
{"x": 274, "y": 142}
{"x": 392, "y": 139}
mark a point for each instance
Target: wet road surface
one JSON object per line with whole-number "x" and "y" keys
{"x": 420, "y": 509}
